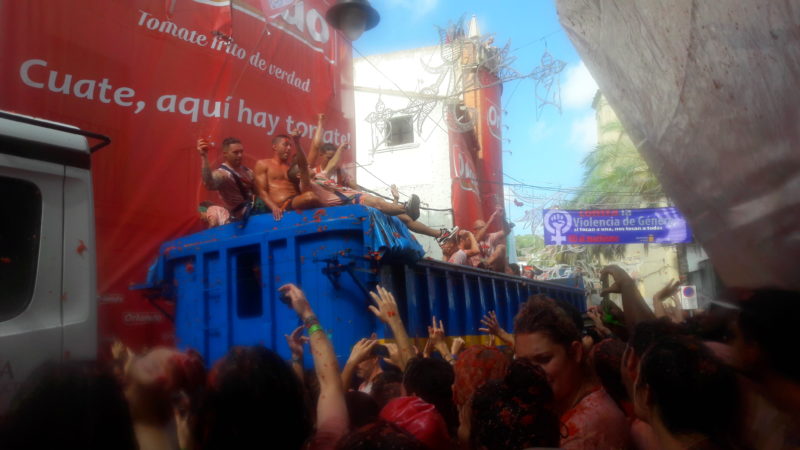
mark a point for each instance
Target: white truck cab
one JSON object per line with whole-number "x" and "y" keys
{"x": 48, "y": 299}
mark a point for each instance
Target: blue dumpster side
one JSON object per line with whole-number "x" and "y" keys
{"x": 461, "y": 295}
{"x": 225, "y": 281}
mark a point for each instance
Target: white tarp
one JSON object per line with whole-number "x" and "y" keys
{"x": 710, "y": 92}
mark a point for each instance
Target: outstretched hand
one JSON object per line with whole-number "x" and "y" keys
{"x": 386, "y": 309}
{"x": 490, "y": 324}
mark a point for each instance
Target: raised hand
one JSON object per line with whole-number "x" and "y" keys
{"x": 394, "y": 353}
{"x": 490, "y": 324}
{"x": 321, "y": 119}
{"x": 362, "y": 351}
{"x": 203, "y": 146}
{"x": 297, "y": 299}
{"x": 436, "y": 334}
{"x": 457, "y": 346}
{"x": 620, "y": 276}
{"x": 667, "y": 291}
{"x": 295, "y": 341}
{"x": 386, "y": 309}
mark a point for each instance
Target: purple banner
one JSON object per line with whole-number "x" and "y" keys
{"x": 615, "y": 226}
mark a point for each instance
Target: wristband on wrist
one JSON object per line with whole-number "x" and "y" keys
{"x": 314, "y": 328}
{"x": 310, "y": 320}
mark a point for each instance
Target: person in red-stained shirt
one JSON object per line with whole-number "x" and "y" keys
{"x": 459, "y": 248}
{"x": 545, "y": 334}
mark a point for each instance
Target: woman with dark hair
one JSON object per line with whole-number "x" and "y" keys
{"x": 513, "y": 414}
{"x": 432, "y": 380}
{"x": 254, "y": 394}
{"x": 71, "y": 405}
{"x": 546, "y": 335}
{"x": 690, "y": 399}
{"x": 256, "y": 399}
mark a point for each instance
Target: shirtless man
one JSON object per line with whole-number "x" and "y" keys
{"x": 491, "y": 245}
{"x": 232, "y": 180}
{"x": 272, "y": 184}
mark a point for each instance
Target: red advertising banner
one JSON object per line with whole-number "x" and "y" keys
{"x": 466, "y": 190}
{"x": 490, "y": 137}
{"x": 155, "y": 76}
{"x": 477, "y": 156}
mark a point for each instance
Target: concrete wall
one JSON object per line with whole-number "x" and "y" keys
{"x": 422, "y": 167}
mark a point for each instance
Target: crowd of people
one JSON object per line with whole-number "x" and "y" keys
{"x": 291, "y": 180}
{"x": 616, "y": 378}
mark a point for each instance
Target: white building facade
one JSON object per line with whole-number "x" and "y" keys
{"x": 409, "y": 150}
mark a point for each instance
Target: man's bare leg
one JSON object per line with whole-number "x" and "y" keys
{"x": 392, "y": 209}
{"x": 418, "y": 227}
{"x": 306, "y": 200}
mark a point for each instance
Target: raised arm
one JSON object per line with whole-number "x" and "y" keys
{"x": 211, "y": 179}
{"x": 334, "y": 162}
{"x": 633, "y": 305}
{"x": 438, "y": 341}
{"x": 316, "y": 141}
{"x": 361, "y": 352}
{"x": 482, "y": 232}
{"x": 302, "y": 163}
{"x": 474, "y": 249}
{"x": 261, "y": 174}
{"x": 331, "y": 407}
{"x": 492, "y": 326}
{"x": 666, "y": 292}
{"x": 387, "y": 312}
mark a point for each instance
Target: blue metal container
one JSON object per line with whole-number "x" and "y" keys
{"x": 225, "y": 282}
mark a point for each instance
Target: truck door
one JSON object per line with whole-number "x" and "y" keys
{"x": 47, "y": 255}
{"x": 30, "y": 267}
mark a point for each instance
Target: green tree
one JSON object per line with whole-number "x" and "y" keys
{"x": 615, "y": 177}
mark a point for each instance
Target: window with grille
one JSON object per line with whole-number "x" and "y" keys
{"x": 400, "y": 131}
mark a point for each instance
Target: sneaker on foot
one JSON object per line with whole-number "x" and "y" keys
{"x": 446, "y": 234}
{"x": 412, "y": 207}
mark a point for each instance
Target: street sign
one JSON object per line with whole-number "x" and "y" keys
{"x": 688, "y": 297}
